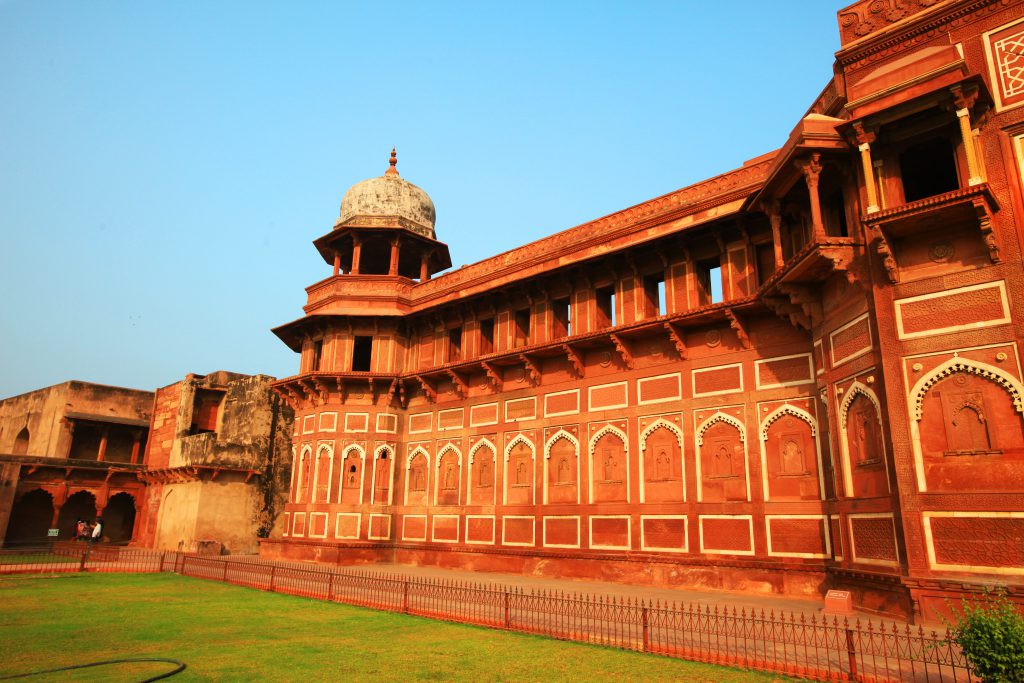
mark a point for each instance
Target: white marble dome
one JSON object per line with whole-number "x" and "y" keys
{"x": 389, "y": 196}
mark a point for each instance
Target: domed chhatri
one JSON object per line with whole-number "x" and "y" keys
{"x": 389, "y": 196}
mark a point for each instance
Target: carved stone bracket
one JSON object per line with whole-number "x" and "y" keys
{"x": 984, "y": 215}
{"x": 806, "y": 298}
{"x": 784, "y": 308}
{"x": 624, "y": 352}
{"x": 532, "y": 371}
{"x": 390, "y": 395}
{"x": 675, "y": 335}
{"x": 321, "y": 390}
{"x": 309, "y": 391}
{"x": 493, "y": 376}
{"x": 403, "y": 397}
{"x": 460, "y": 384}
{"x": 575, "y": 361}
{"x": 428, "y": 390}
{"x": 736, "y": 325}
{"x": 884, "y": 250}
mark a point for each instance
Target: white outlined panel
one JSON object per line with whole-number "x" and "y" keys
{"x": 855, "y": 353}
{"x": 382, "y": 423}
{"x": 521, "y": 409}
{"x": 672, "y": 379}
{"x": 568, "y": 411}
{"x": 287, "y": 524}
{"x": 454, "y": 417}
{"x": 346, "y": 515}
{"x": 483, "y": 415}
{"x": 421, "y": 423}
{"x": 357, "y": 422}
{"x": 853, "y": 539}
{"x": 792, "y": 383}
{"x": 387, "y": 525}
{"x": 317, "y": 516}
{"x": 768, "y": 519}
{"x": 299, "y": 524}
{"x": 1003, "y": 58}
{"x": 998, "y": 285}
{"x": 309, "y": 424}
{"x": 405, "y": 534}
{"x": 433, "y": 529}
{"x": 979, "y": 567}
{"x": 544, "y": 531}
{"x": 644, "y": 545}
{"x": 716, "y": 368}
{"x": 504, "y": 529}
{"x": 494, "y": 523}
{"x": 592, "y": 406}
{"x": 629, "y": 533}
{"x": 328, "y": 422}
{"x": 749, "y": 519}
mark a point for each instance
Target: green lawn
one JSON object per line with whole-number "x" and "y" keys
{"x": 229, "y": 633}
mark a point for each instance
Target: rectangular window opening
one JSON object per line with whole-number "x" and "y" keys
{"x": 362, "y": 354}
{"x": 654, "y": 295}
{"x": 454, "y": 344}
{"x": 486, "y": 336}
{"x": 318, "y": 355}
{"x": 605, "y": 306}
{"x": 561, "y": 315}
{"x": 709, "y": 280}
{"x": 522, "y": 327}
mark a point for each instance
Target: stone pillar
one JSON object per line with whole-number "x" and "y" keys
{"x": 864, "y": 140}
{"x": 774, "y": 212}
{"x": 136, "y": 443}
{"x": 964, "y": 99}
{"x": 812, "y": 170}
{"x": 425, "y": 267}
{"x": 357, "y": 244}
{"x": 101, "y": 455}
{"x": 393, "y": 268}
{"x": 337, "y": 263}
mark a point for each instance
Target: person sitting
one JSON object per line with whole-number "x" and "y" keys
{"x": 81, "y": 530}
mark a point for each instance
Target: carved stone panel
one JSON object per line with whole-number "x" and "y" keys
{"x": 663, "y": 467}
{"x": 722, "y": 466}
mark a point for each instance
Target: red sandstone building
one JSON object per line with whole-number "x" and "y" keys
{"x": 800, "y": 374}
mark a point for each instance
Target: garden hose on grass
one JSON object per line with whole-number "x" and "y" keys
{"x": 178, "y": 668}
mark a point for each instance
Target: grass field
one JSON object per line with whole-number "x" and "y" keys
{"x": 230, "y": 633}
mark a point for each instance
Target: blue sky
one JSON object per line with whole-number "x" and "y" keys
{"x": 165, "y": 166}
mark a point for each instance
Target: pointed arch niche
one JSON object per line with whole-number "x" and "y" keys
{"x": 862, "y": 444}
{"x": 323, "y": 466}
{"x": 447, "y": 481}
{"x": 562, "y": 468}
{"x": 966, "y": 428}
{"x": 519, "y": 465}
{"x": 383, "y": 475}
{"x": 662, "y": 472}
{"x": 608, "y": 465}
{"x": 353, "y": 460}
{"x": 417, "y": 473}
{"x": 302, "y": 478}
{"x": 482, "y": 473}
{"x": 723, "y": 473}
{"x": 791, "y": 455}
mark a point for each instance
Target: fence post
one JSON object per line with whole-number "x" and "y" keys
{"x": 508, "y": 611}
{"x": 330, "y": 587}
{"x": 851, "y": 653}
{"x": 644, "y": 626}
{"x": 85, "y": 557}
{"x": 224, "y": 578}
{"x": 273, "y": 570}
{"x": 405, "y": 597}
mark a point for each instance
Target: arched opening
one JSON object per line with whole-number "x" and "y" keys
{"x": 30, "y": 518}
{"x": 119, "y": 518}
{"x": 21, "y": 442}
{"x": 81, "y": 505}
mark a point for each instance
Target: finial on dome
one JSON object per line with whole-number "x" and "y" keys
{"x": 392, "y": 169}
